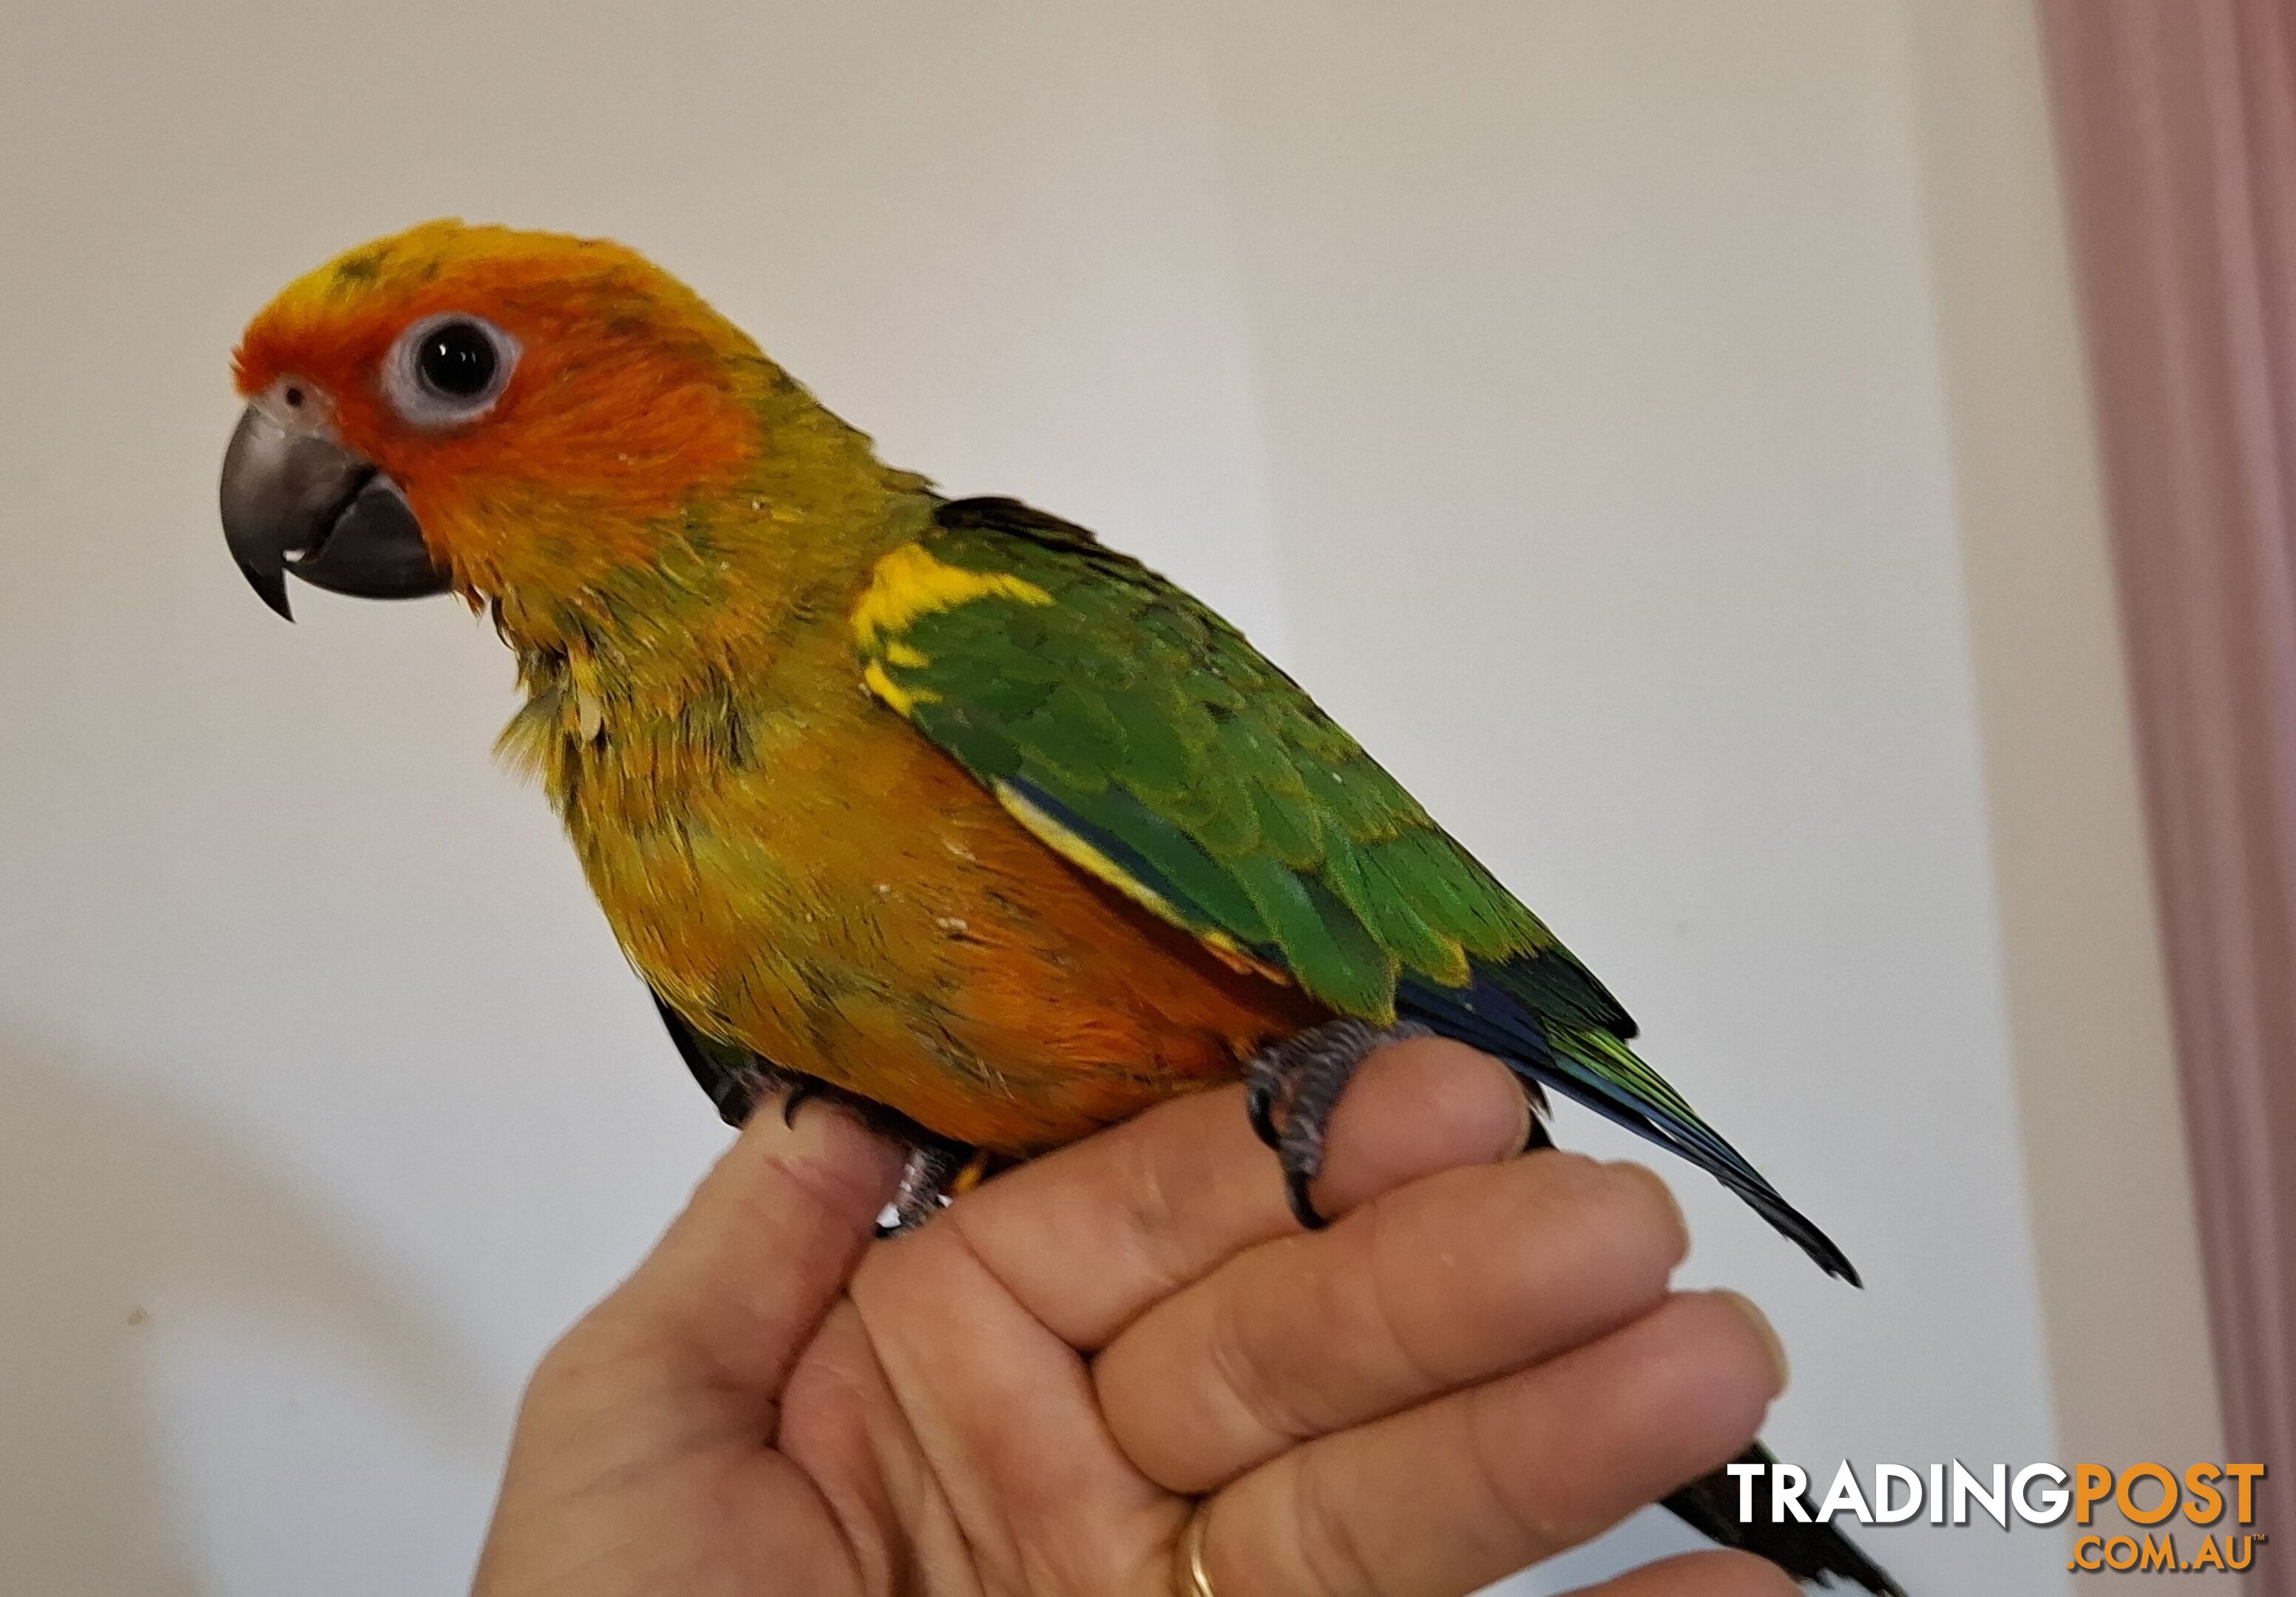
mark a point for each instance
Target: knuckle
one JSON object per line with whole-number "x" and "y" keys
{"x": 1324, "y": 1531}
{"x": 1391, "y": 1298}
{"x": 1540, "y": 1522}
{"x": 1152, "y": 1215}
{"x": 1252, "y": 1379}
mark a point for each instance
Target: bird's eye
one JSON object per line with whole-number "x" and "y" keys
{"x": 457, "y": 361}
{"x": 449, "y": 369}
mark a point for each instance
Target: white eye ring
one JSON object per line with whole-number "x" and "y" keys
{"x": 449, "y": 369}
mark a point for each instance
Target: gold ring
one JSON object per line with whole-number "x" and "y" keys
{"x": 1189, "y": 1577}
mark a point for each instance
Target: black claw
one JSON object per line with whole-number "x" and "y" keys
{"x": 802, "y": 1089}
{"x": 1303, "y": 1208}
{"x": 1259, "y": 1103}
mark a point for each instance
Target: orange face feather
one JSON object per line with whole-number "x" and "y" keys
{"x": 630, "y": 396}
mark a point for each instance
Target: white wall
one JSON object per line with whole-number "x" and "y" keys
{"x": 1558, "y": 386}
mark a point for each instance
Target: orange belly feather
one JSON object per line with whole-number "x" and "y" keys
{"x": 852, "y": 905}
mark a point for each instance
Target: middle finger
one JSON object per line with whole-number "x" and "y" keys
{"x": 1441, "y": 1284}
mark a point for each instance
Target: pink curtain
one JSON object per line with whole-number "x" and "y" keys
{"x": 2176, "y": 128}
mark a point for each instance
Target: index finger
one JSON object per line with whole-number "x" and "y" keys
{"x": 741, "y": 1277}
{"x": 1090, "y": 1236}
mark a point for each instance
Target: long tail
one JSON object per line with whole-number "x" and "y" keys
{"x": 1810, "y": 1553}
{"x": 1588, "y": 1059}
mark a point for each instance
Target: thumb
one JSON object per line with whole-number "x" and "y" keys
{"x": 741, "y": 1278}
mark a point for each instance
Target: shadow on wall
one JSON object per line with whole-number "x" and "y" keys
{"x": 111, "y": 1199}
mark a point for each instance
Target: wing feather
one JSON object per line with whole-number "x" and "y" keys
{"x": 1143, "y": 739}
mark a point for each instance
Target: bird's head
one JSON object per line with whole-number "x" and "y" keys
{"x": 499, "y": 414}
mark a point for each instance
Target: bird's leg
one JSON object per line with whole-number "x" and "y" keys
{"x": 1294, "y": 1086}
{"x": 936, "y": 1174}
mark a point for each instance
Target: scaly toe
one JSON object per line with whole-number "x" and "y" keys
{"x": 924, "y": 1184}
{"x": 1259, "y": 1103}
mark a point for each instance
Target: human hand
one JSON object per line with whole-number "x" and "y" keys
{"x": 1479, "y": 1364}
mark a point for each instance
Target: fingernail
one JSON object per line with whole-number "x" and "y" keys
{"x": 1763, "y": 1329}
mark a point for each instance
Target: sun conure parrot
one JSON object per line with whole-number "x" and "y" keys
{"x": 940, "y": 804}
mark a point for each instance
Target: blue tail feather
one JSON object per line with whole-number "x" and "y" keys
{"x": 1485, "y": 1015}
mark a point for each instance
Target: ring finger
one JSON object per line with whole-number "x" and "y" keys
{"x": 1449, "y": 1497}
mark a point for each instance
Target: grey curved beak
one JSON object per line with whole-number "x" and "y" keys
{"x": 295, "y": 500}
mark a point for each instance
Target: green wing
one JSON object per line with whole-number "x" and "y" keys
{"x": 1142, "y": 737}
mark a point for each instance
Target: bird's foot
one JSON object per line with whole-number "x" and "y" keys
{"x": 1294, "y": 1086}
{"x": 935, "y": 1176}
{"x": 936, "y": 1171}
{"x": 736, "y": 1090}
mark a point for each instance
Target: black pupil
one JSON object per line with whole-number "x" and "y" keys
{"x": 457, "y": 361}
